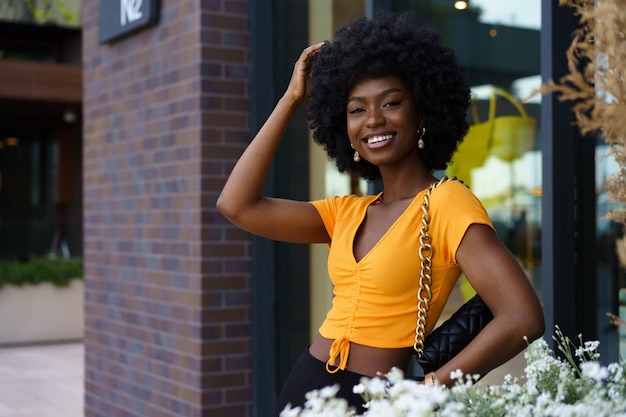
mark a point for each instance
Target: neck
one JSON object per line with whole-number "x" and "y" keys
{"x": 399, "y": 187}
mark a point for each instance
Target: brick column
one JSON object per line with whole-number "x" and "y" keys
{"x": 167, "y": 299}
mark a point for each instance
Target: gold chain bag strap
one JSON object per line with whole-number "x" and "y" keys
{"x": 459, "y": 330}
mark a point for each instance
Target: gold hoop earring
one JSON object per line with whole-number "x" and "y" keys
{"x": 356, "y": 158}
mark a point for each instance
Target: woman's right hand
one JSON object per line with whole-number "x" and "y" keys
{"x": 298, "y": 89}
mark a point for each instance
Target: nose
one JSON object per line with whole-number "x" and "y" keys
{"x": 375, "y": 118}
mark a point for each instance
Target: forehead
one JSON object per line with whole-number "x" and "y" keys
{"x": 377, "y": 85}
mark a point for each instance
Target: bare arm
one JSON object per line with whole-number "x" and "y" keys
{"x": 498, "y": 278}
{"x": 241, "y": 200}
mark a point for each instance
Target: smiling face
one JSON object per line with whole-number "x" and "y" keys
{"x": 382, "y": 120}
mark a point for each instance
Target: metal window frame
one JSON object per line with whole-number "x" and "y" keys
{"x": 263, "y": 270}
{"x": 568, "y": 202}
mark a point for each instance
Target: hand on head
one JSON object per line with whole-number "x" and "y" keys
{"x": 299, "y": 86}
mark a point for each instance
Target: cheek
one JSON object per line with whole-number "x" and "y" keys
{"x": 352, "y": 128}
{"x": 410, "y": 121}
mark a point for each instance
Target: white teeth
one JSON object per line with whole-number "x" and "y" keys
{"x": 376, "y": 139}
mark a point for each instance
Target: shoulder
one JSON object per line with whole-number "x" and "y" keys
{"x": 344, "y": 203}
{"x": 454, "y": 200}
{"x": 454, "y": 191}
{"x": 453, "y": 209}
{"x": 454, "y": 186}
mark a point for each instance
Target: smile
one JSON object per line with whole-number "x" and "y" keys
{"x": 377, "y": 139}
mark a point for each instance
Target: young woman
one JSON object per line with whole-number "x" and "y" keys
{"x": 387, "y": 101}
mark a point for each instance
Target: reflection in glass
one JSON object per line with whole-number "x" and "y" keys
{"x": 498, "y": 161}
{"x": 523, "y": 14}
{"x": 611, "y": 278}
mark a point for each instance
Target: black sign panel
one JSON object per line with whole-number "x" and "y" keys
{"x": 122, "y": 17}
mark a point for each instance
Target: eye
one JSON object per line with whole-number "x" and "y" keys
{"x": 356, "y": 111}
{"x": 392, "y": 103}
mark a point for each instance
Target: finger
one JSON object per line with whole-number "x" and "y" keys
{"x": 314, "y": 47}
{"x": 311, "y": 50}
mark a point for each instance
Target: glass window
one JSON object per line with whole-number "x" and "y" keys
{"x": 611, "y": 277}
{"x": 40, "y": 184}
{"x": 25, "y": 207}
{"x": 28, "y": 51}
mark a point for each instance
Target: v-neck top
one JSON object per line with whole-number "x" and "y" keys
{"x": 375, "y": 299}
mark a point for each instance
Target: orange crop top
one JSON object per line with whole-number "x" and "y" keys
{"x": 374, "y": 301}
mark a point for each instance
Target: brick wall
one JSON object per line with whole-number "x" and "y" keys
{"x": 167, "y": 280}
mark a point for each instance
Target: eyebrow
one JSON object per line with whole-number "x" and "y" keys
{"x": 382, "y": 94}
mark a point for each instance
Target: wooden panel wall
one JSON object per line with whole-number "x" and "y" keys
{"x": 41, "y": 81}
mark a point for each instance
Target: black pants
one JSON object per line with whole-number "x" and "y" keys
{"x": 308, "y": 374}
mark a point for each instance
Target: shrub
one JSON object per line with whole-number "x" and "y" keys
{"x": 57, "y": 271}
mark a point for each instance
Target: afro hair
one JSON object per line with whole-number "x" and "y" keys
{"x": 390, "y": 43}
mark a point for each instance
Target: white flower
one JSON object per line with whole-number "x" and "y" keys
{"x": 314, "y": 402}
{"x": 329, "y": 392}
{"x": 617, "y": 373}
{"x": 594, "y": 371}
{"x": 453, "y": 409}
{"x": 395, "y": 375}
{"x": 290, "y": 412}
{"x": 376, "y": 386}
{"x": 589, "y": 347}
{"x": 359, "y": 388}
{"x": 456, "y": 375}
{"x": 414, "y": 406}
{"x": 382, "y": 408}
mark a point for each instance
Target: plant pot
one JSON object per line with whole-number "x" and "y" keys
{"x": 41, "y": 313}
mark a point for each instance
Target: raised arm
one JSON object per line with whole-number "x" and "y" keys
{"x": 497, "y": 276}
{"x": 241, "y": 200}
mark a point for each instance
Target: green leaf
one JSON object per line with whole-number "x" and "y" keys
{"x": 57, "y": 271}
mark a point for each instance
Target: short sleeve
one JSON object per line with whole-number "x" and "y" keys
{"x": 453, "y": 209}
{"x": 327, "y": 209}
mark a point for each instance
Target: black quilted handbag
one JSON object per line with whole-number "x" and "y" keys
{"x": 447, "y": 340}
{"x": 443, "y": 343}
